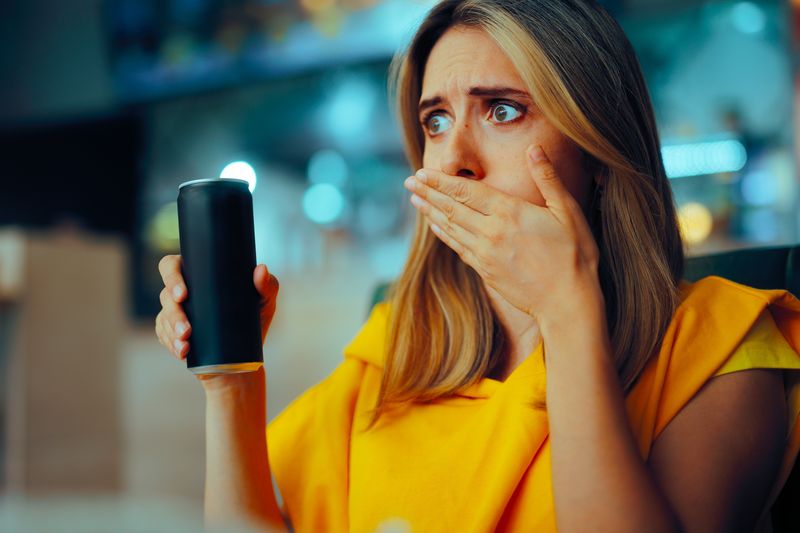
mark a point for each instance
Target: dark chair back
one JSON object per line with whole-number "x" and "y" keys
{"x": 763, "y": 268}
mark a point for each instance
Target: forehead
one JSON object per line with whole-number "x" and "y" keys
{"x": 463, "y": 57}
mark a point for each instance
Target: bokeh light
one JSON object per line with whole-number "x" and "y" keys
{"x": 695, "y": 222}
{"x": 760, "y": 188}
{"x": 317, "y": 5}
{"x": 327, "y": 166}
{"x": 240, "y": 170}
{"x": 348, "y": 114}
{"x": 162, "y": 233}
{"x": 698, "y": 159}
{"x": 323, "y": 203}
{"x": 748, "y": 17}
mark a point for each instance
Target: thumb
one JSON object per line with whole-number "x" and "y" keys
{"x": 261, "y": 279}
{"x": 546, "y": 177}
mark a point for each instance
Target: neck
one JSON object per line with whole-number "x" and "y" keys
{"x": 521, "y": 329}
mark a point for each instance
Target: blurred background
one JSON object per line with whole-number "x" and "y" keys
{"x": 106, "y": 106}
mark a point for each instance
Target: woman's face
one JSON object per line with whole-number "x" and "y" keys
{"x": 476, "y": 127}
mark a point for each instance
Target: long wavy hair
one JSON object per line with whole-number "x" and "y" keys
{"x": 582, "y": 72}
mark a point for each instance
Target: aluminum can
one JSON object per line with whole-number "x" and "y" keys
{"x": 217, "y": 242}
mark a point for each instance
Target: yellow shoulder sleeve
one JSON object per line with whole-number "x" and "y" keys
{"x": 763, "y": 347}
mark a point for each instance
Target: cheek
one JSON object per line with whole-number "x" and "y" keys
{"x": 431, "y": 153}
{"x": 568, "y": 163}
{"x": 566, "y": 159}
{"x": 428, "y": 159}
{"x": 563, "y": 154}
{"x": 518, "y": 182}
{"x": 425, "y": 162}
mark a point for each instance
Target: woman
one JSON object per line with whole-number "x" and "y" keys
{"x": 546, "y": 246}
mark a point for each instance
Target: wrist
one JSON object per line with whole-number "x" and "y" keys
{"x": 580, "y": 304}
{"x": 578, "y": 339}
{"x": 238, "y": 383}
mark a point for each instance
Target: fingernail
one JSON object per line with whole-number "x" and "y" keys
{"x": 177, "y": 291}
{"x": 536, "y": 153}
{"x": 181, "y": 328}
{"x": 409, "y": 183}
{"x": 416, "y": 200}
{"x": 178, "y": 346}
{"x": 421, "y": 175}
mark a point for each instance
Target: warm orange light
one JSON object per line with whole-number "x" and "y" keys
{"x": 695, "y": 222}
{"x": 354, "y": 5}
{"x": 314, "y": 6}
{"x": 328, "y": 22}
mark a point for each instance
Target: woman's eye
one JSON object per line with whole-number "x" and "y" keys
{"x": 437, "y": 124}
{"x": 505, "y": 113}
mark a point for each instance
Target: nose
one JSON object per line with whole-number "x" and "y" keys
{"x": 460, "y": 155}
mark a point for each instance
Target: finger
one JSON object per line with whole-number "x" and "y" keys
{"x": 266, "y": 283}
{"x": 556, "y": 196}
{"x": 474, "y": 194}
{"x": 463, "y": 252}
{"x": 165, "y": 338}
{"x": 174, "y": 317}
{"x": 159, "y": 331}
{"x": 164, "y": 332}
{"x": 455, "y": 211}
{"x": 446, "y": 221}
{"x": 175, "y": 343}
{"x": 181, "y": 348}
{"x": 170, "y": 269}
{"x": 259, "y": 276}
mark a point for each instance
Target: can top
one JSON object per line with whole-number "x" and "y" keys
{"x": 218, "y": 180}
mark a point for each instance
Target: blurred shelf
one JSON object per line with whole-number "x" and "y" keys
{"x": 59, "y": 361}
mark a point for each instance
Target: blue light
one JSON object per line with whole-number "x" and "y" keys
{"x": 323, "y": 203}
{"x": 240, "y": 170}
{"x": 348, "y": 115}
{"x": 760, "y": 188}
{"x": 698, "y": 159}
{"x": 327, "y": 166}
{"x": 748, "y": 18}
{"x": 761, "y": 224}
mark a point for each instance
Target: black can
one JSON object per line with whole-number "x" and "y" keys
{"x": 215, "y": 219}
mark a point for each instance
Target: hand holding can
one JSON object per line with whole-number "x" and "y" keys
{"x": 172, "y": 327}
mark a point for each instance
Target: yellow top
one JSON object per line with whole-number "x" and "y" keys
{"x": 763, "y": 347}
{"x": 480, "y": 460}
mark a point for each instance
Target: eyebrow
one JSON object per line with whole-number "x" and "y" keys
{"x": 496, "y": 92}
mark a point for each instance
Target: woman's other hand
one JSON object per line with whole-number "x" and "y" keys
{"x": 535, "y": 256}
{"x": 172, "y": 326}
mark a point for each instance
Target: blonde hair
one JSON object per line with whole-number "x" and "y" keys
{"x": 582, "y": 72}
